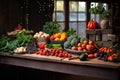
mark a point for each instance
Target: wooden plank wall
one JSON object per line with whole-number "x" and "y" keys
{"x": 3, "y": 16}
{"x": 14, "y": 12}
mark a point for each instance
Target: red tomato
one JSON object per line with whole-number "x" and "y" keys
{"x": 69, "y": 55}
{"x": 91, "y": 56}
{"x": 60, "y": 54}
{"x": 41, "y": 52}
{"x": 41, "y": 46}
{"x": 66, "y": 54}
{"x": 19, "y": 27}
{"x": 56, "y": 54}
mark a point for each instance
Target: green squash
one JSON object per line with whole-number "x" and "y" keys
{"x": 83, "y": 57}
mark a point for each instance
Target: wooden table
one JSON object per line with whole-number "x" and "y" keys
{"x": 92, "y": 68}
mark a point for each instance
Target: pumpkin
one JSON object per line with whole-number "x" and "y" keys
{"x": 92, "y": 24}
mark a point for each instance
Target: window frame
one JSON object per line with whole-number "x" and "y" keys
{"x": 66, "y": 12}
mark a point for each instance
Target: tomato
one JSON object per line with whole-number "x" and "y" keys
{"x": 19, "y": 27}
{"x": 92, "y": 24}
{"x": 79, "y": 48}
{"x": 74, "y": 48}
{"x": 79, "y": 44}
{"x": 66, "y": 54}
{"x": 69, "y": 55}
{"x": 91, "y": 56}
{"x": 89, "y": 47}
{"x": 56, "y": 54}
{"x": 60, "y": 54}
{"x": 41, "y": 46}
{"x": 37, "y": 52}
{"x": 41, "y": 52}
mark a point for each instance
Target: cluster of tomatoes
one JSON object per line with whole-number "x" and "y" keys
{"x": 41, "y": 45}
{"x": 54, "y": 52}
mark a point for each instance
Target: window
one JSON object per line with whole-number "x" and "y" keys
{"x": 75, "y": 17}
{"x": 58, "y": 15}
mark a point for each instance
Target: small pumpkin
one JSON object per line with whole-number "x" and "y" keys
{"x": 92, "y": 24}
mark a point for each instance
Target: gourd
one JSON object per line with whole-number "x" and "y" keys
{"x": 74, "y": 42}
{"x": 71, "y": 37}
{"x": 83, "y": 57}
{"x": 67, "y": 44}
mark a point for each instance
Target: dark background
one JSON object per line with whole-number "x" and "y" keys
{"x": 13, "y": 12}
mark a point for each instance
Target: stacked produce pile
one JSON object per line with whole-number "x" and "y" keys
{"x": 58, "y": 44}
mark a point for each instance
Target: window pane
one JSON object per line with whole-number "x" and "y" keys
{"x": 73, "y": 6}
{"x": 82, "y": 6}
{"x": 60, "y": 5}
{"x": 81, "y": 29}
{"x": 73, "y": 17}
{"x": 60, "y": 16}
{"x": 54, "y": 19}
{"x": 73, "y": 25}
{"x": 81, "y": 17}
{"x": 62, "y": 26}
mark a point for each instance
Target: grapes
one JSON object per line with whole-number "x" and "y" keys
{"x": 31, "y": 48}
{"x": 102, "y": 55}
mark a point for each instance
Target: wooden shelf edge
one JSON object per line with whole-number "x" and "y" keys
{"x": 99, "y": 31}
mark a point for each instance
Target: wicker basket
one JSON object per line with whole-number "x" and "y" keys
{"x": 42, "y": 39}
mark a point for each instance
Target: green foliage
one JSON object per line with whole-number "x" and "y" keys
{"x": 49, "y": 46}
{"x": 106, "y": 14}
{"x": 82, "y": 39}
{"x": 3, "y": 40}
{"x": 99, "y": 9}
{"x": 116, "y": 46}
{"x": 8, "y": 45}
{"x": 51, "y": 28}
{"x": 24, "y": 39}
{"x": 71, "y": 31}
